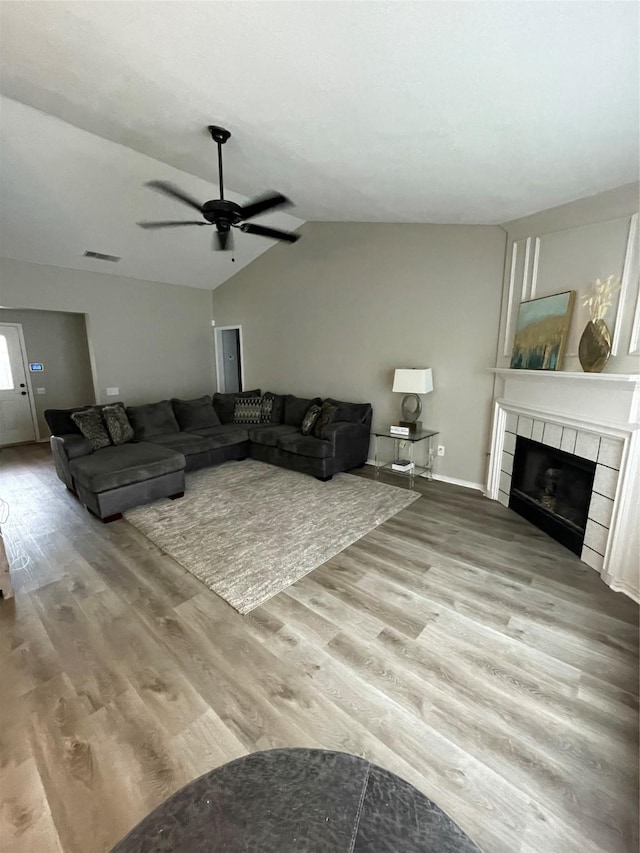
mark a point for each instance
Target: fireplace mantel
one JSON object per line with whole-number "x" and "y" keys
{"x": 550, "y": 375}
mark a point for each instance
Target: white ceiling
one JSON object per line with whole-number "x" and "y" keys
{"x": 459, "y": 112}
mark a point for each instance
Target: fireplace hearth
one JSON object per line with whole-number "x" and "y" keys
{"x": 552, "y": 489}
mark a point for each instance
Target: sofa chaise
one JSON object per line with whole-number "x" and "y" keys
{"x": 174, "y": 436}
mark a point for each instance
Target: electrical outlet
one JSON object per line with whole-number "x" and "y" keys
{"x": 113, "y": 392}
{"x": 41, "y": 390}
{"x": 441, "y": 450}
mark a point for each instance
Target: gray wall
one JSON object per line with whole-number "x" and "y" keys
{"x": 150, "y": 340}
{"x": 59, "y": 340}
{"x": 335, "y": 313}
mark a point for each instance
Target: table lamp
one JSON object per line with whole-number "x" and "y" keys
{"x": 412, "y": 382}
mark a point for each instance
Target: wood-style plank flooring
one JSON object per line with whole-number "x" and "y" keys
{"x": 454, "y": 645}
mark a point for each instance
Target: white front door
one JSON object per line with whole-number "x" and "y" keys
{"x": 16, "y": 419}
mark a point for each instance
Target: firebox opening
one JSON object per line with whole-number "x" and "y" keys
{"x": 552, "y": 489}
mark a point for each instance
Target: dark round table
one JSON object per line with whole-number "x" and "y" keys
{"x": 297, "y": 801}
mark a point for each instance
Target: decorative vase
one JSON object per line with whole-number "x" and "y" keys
{"x": 595, "y": 346}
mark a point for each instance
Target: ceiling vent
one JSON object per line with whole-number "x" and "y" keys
{"x": 102, "y": 257}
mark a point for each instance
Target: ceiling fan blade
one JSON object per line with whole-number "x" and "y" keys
{"x": 168, "y": 224}
{"x": 172, "y": 191}
{"x": 274, "y": 233}
{"x": 222, "y": 240}
{"x": 262, "y": 204}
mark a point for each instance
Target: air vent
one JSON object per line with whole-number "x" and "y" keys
{"x": 102, "y": 257}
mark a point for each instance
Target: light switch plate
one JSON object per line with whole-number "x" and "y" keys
{"x": 113, "y": 392}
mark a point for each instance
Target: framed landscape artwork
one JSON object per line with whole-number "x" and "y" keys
{"x": 541, "y": 332}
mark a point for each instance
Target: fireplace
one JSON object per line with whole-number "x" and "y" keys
{"x": 552, "y": 489}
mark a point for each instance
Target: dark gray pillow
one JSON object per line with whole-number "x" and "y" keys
{"x": 295, "y": 408}
{"x": 118, "y": 426}
{"x": 192, "y": 414}
{"x": 355, "y": 413}
{"x": 327, "y": 416}
{"x": 248, "y": 410}
{"x": 277, "y": 407}
{"x": 224, "y": 404}
{"x": 91, "y": 425}
{"x": 152, "y": 419}
{"x": 309, "y": 420}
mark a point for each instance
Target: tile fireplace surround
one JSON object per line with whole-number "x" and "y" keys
{"x": 592, "y": 415}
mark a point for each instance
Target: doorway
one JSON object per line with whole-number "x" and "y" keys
{"x": 17, "y": 413}
{"x": 229, "y": 363}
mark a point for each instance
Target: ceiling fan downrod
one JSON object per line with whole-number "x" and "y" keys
{"x": 219, "y": 136}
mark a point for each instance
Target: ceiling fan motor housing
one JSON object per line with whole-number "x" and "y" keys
{"x": 222, "y": 212}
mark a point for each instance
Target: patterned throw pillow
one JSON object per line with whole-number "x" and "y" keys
{"x": 266, "y": 412}
{"x": 247, "y": 410}
{"x": 118, "y": 426}
{"x": 91, "y": 425}
{"x": 309, "y": 420}
{"x": 327, "y": 416}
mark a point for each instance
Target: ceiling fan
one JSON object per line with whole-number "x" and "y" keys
{"x": 221, "y": 212}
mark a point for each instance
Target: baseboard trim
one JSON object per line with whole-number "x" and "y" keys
{"x": 454, "y": 481}
{"x": 466, "y": 484}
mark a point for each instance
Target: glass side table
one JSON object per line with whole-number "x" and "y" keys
{"x": 398, "y": 453}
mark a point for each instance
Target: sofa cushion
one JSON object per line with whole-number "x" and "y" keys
{"x": 274, "y": 405}
{"x": 117, "y": 423}
{"x": 309, "y": 420}
{"x": 327, "y": 415}
{"x": 93, "y": 428}
{"x": 268, "y": 434}
{"x": 152, "y": 419}
{"x": 355, "y": 413}
{"x": 192, "y": 414}
{"x": 113, "y": 467}
{"x": 231, "y": 433}
{"x": 306, "y": 445}
{"x": 224, "y": 404}
{"x": 247, "y": 410}
{"x": 187, "y": 443}
{"x": 295, "y": 408}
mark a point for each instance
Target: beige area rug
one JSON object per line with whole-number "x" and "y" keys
{"x": 248, "y": 530}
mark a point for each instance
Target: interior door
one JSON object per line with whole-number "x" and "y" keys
{"x": 16, "y": 420}
{"x": 231, "y": 360}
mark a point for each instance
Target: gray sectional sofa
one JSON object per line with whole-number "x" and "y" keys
{"x": 174, "y": 436}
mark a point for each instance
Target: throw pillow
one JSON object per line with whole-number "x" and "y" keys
{"x": 224, "y": 404}
{"x": 327, "y": 415}
{"x": 266, "y": 412}
{"x": 91, "y": 425}
{"x": 247, "y": 410}
{"x": 309, "y": 420}
{"x": 118, "y": 426}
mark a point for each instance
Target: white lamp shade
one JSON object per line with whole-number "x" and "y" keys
{"x": 413, "y": 381}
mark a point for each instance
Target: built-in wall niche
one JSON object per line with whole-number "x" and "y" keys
{"x": 541, "y": 264}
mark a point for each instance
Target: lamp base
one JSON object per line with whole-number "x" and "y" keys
{"x": 412, "y": 426}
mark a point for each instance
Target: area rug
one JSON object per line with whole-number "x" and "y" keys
{"x": 249, "y": 530}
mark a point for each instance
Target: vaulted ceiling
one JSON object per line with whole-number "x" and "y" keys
{"x": 459, "y": 112}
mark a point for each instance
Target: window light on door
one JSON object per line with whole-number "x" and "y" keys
{"x": 6, "y": 375}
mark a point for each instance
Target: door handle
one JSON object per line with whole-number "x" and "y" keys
{"x": 23, "y": 393}
{"x": 22, "y": 385}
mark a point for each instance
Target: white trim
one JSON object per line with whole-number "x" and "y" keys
{"x": 634, "y": 340}
{"x": 497, "y": 445}
{"x": 27, "y": 377}
{"x": 534, "y": 274}
{"x": 525, "y": 270}
{"x": 467, "y": 484}
{"x": 624, "y": 284}
{"x": 512, "y": 276}
{"x": 561, "y": 419}
{"x": 567, "y": 374}
{"x": 217, "y": 341}
{"x": 618, "y": 586}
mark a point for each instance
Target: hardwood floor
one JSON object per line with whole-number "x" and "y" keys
{"x": 454, "y": 645}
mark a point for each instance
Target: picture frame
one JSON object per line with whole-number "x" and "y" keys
{"x": 541, "y": 332}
